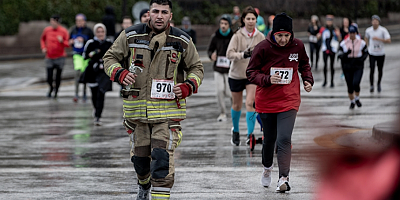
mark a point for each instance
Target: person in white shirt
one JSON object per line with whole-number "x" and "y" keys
{"x": 375, "y": 37}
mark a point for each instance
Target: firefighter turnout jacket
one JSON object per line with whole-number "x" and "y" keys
{"x": 166, "y": 59}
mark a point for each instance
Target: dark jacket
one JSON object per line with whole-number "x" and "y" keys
{"x": 191, "y": 33}
{"x": 94, "y": 72}
{"x": 109, "y": 21}
{"x": 85, "y": 32}
{"x": 275, "y": 98}
{"x": 220, "y": 44}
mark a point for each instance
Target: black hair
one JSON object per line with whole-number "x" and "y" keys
{"x": 162, "y": 2}
{"x": 127, "y": 17}
{"x": 246, "y": 11}
{"x": 56, "y": 17}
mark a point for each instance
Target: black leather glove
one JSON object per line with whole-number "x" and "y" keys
{"x": 247, "y": 54}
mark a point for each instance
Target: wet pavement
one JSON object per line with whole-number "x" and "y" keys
{"x": 50, "y": 149}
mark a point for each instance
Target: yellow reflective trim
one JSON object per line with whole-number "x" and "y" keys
{"x": 143, "y": 182}
{"x": 111, "y": 68}
{"x": 198, "y": 80}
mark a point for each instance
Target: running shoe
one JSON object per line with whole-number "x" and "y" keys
{"x": 251, "y": 141}
{"x": 266, "y": 176}
{"x": 97, "y": 122}
{"x": 379, "y": 88}
{"x": 75, "y": 99}
{"x": 371, "y": 89}
{"x": 352, "y": 105}
{"x": 142, "y": 193}
{"x": 283, "y": 184}
{"x": 358, "y": 103}
{"x": 221, "y": 117}
{"x": 235, "y": 138}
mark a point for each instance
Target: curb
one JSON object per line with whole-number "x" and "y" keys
{"x": 386, "y": 131}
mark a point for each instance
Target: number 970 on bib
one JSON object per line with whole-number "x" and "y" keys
{"x": 162, "y": 89}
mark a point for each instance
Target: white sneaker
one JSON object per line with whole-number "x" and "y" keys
{"x": 283, "y": 184}
{"x": 221, "y": 117}
{"x": 266, "y": 176}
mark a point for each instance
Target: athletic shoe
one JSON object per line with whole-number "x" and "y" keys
{"x": 371, "y": 89}
{"x": 352, "y": 105}
{"x": 75, "y": 99}
{"x": 379, "y": 88}
{"x": 251, "y": 141}
{"x": 142, "y": 193}
{"x": 358, "y": 103}
{"x": 332, "y": 85}
{"x": 283, "y": 184}
{"x": 266, "y": 176}
{"x": 235, "y": 138}
{"x": 221, "y": 117}
{"x": 324, "y": 84}
{"x": 97, "y": 122}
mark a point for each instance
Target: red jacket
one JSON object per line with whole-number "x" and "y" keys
{"x": 49, "y": 40}
{"x": 274, "y": 98}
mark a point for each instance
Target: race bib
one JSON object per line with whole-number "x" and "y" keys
{"x": 162, "y": 89}
{"x": 377, "y": 47}
{"x": 78, "y": 44}
{"x": 334, "y": 45}
{"x": 223, "y": 61}
{"x": 313, "y": 39}
{"x": 285, "y": 73}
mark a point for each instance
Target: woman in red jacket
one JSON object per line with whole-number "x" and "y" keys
{"x": 274, "y": 68}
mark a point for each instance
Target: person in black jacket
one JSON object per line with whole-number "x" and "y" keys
{"x": 109, "y": 21}
{"x": 94, "y": 75}
{"x": 187, "y": 27}
{"x": 315, "y": 43}
{"x": 217, "y": 53}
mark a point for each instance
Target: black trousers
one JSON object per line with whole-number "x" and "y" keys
{"x": 332, "y": 59}
{"x": 353, "y": 78}
{"x": 379, "y": 61}
{"x": 314, "y": 48}
{"x": 278, "y": 127}
{"x": 98, "y": 98}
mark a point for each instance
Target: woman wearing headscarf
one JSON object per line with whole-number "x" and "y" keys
{"x": 94, "y": 75}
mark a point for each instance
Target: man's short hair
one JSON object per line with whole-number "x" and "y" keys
{"x": 126, "y": 17}
{"x": 162, "y": 2}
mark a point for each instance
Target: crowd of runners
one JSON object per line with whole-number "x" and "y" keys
{"x": 158, "y": 67}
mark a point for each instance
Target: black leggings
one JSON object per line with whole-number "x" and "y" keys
{"x": 314, "y": 47}
{"x": 353, "y": 79}
{"x": 379, "y": 62}
{"x": 98, "y": 98}
{"x": 332, "y": 59}
{"x": 50, "y": 77}
{"x": 278, "y": 127}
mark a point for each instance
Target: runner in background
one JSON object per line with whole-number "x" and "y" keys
{"x": 315, "y": 43}
{"x": 79, "y": 35}
{"x": 376, "y": 37}
{"x": 217, "y": 53}
{"x": 239, "y": 52}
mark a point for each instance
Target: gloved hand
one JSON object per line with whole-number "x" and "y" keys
{"x": 122, "y": 76}
{"x": 184, "y": 92}
{"x": 247, "y": 54}
{"x": 92, "y": 53}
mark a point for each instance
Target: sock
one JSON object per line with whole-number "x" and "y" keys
{"x": 235, "y": 119}
{"x": 353, "y": 101}
{"x": 251, "y": 121}
{"x": 357, "y": 98}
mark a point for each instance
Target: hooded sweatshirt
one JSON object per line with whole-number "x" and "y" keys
{"x": 240, "y": 43}
{"x": 276, "y": 98}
